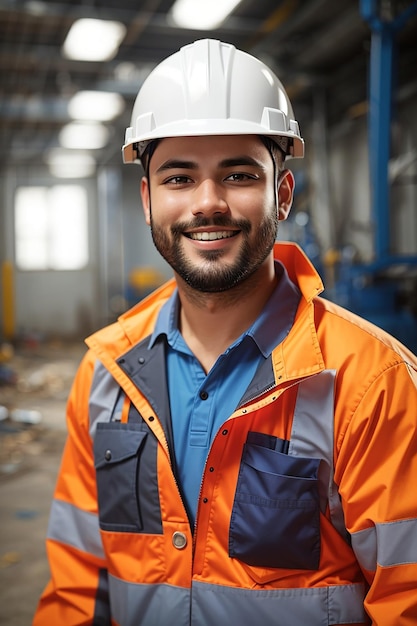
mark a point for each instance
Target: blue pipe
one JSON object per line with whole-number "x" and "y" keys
{"x": 380, "y": 109}
{"x": 379, "y": 115}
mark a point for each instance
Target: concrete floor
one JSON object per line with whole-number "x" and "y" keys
{"x": 29, "y": 460}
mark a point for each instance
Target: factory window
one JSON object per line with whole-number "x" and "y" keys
{"x": 51, "y": 227}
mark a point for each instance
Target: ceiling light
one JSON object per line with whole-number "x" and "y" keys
{"x": 200, "y": 14}
{"x": 84, "y": 135}
{"x": 64, "y": 164}
{"x": 93, "y": 40}
{"x": 101, "y": 106}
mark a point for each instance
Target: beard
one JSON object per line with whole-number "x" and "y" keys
{"x": 212, "y": 275}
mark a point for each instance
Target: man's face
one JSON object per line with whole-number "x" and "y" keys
{"x": 211, "y": 205}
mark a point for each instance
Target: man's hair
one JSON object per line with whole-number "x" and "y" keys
{"x": 277, "y": 154}
{"x": 146, "y": 156}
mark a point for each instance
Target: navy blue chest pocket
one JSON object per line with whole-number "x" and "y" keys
{"x": 127, "y": 489}
{"x": 275, "y": 518}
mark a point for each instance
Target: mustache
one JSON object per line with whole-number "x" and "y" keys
{"x": 220, "y": 221}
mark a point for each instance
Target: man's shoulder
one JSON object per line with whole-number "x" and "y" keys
{"x": 132, "y": 326}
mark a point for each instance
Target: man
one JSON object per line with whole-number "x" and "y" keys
{"x": 240, "y": 450}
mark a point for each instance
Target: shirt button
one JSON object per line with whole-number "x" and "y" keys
{"x": 203, "y": 395}
{"x": 107, "y": 455}
{"x": 179, "y": 540}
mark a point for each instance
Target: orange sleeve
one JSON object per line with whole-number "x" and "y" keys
{"x": 376, "y": 470}
{"x": 77, "y": 591}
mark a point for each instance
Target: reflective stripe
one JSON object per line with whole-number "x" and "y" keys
{"x": 313, "y": 435}
{"x": 149, "y": 605}
{"x": 72, "y": 526}
{"x": 315, "y": 606}
{"x": 159, "y": 605}
{"x": 105, "y": 399}
{"x": 387, "y": 544}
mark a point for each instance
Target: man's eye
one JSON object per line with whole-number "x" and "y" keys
{"x": 177, "y": 180}
{"x": 239, "y": 176}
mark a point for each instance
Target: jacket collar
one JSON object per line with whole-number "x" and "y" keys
{"x": 297, "y": 356}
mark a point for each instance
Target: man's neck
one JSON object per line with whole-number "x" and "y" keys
{"x": 210, "y": 323}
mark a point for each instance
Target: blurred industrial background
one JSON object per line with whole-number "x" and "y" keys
{"x": 74, "y": 249}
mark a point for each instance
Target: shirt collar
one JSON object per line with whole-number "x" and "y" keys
{"x": 268, "y": 330}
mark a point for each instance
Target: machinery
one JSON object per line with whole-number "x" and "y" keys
{"x": 385, "y": 290}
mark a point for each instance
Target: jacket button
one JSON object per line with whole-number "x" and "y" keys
{"x": 107, "y": 455}
{"x": 179, "y": 540}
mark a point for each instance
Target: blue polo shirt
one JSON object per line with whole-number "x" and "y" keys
{"x": 200, "y": 403}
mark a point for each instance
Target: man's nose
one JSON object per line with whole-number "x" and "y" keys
{"x": 209, "y": 198}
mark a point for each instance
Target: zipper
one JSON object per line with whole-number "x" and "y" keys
{"x": 232, "y": 417}
{"x": 256, "y": 396}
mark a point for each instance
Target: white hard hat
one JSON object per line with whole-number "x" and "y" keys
{"x": 211, "y": 88}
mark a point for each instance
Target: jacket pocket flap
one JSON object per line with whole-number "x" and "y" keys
{"x": 265, "y": 460}
{"x": 117, "y": 442}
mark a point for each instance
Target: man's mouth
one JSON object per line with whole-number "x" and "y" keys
{"x": 212, "y": 236}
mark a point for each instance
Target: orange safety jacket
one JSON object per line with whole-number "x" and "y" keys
{"x": 307, "y": 513}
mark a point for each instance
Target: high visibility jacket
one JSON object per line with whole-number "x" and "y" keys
{"x": 307, "y": 513}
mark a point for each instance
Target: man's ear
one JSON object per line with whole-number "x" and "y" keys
{"x": 146, "y": 203}
{"x": 286, "y": 184}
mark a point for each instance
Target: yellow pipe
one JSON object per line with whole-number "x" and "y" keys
{"x": 271, "y": 23}
{"x": 279, "y": 16}
{"x": 8, "y": 300}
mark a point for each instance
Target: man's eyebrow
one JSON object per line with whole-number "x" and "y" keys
{"x": 176, "y": 164}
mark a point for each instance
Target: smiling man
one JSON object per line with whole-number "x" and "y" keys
{"x": 240, "y": 450}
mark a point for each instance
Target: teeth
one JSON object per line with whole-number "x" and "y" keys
{"x": 224, "y": 234}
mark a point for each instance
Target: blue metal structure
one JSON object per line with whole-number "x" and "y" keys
{"x": 380, "y": 113}
{"x": 376, "y": 290}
